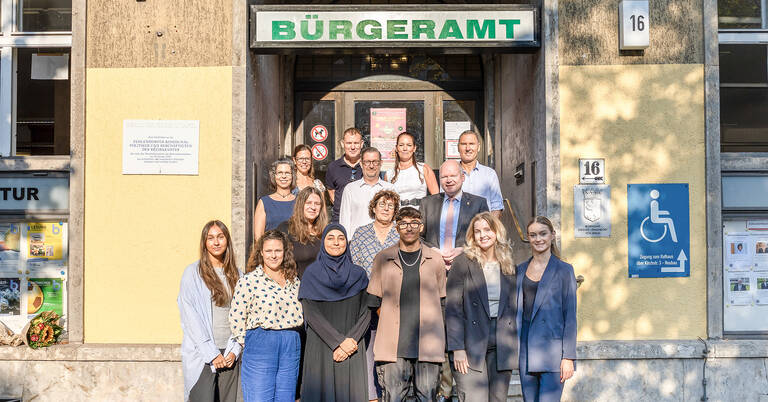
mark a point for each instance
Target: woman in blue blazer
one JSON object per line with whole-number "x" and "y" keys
{"x": 480, "y": 313}
{"x": 546, "y": 316}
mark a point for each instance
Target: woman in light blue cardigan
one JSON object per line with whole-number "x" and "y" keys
{"x": 209, "y": 353}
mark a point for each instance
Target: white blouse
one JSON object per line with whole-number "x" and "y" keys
{"x": 408, "y": 185}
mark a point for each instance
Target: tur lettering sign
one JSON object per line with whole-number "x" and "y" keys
{"x": 292, "y": 27}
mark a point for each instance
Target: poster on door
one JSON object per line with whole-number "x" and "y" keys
{"x": 10, "y": 247}
{"x": 386, "y": 124}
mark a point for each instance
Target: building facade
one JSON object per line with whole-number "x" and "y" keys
{"x": 683, "y": 117}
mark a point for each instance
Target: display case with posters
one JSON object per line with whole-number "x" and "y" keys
{"x": 33, "y": 246}
{"x": 745, "y": 276}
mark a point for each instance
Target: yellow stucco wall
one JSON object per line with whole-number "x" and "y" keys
{"x": 647, "y": 121}
{"x": 141, "y": 231}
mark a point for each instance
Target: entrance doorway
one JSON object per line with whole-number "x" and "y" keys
{"x": 432, "y": 97}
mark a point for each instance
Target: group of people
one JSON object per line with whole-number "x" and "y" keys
{"x": 406, "y": 288}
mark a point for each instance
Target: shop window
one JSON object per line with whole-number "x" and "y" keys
{"x": 35, "y": 77}
{"x": 745, "y": 254}
{"x": 744, "y": 97}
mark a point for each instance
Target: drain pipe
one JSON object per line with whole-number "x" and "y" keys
{"x": 704, "y": 355}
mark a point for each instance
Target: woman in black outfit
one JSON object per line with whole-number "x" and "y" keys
{"x": 305, "y": 226}
{"x": 333, "y": 295}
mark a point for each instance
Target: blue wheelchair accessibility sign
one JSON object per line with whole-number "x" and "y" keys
{"x": 659, "y": 230}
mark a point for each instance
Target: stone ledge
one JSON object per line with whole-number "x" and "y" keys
{"x": 21, "y": 163}
{"x": 588, "y": 350}
{"x": 673, "y": 349}
{"x": 94, "y": 352}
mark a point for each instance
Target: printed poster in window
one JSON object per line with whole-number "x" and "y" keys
{"x": 10, "y": 247}
{"x": 44, "y": 294}
{"x": 386, "y": 124}
{"x": 739, "y": 290}
{"x": 10, "y": 297}
{"x": 738, "y": 253}
{"x": 760, "y": 258}
{"x": 761, "y": 293}
{"x": 45, "y": 244}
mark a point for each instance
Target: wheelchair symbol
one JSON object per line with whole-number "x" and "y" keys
{"x": 658, "y": 216}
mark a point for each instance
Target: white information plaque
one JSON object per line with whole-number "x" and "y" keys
{"x": 634, "y": 24}
{"x": 161, "y": 147}
{"x": 592, "y": 210}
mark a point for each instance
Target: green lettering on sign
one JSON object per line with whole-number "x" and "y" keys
{"x": 305, "y": 30}
{"x": 451, "y": 30}
{"x": 489, "y": 28}
{"x": 336, "y": 27}
{"x": 510, "y": 24}
{"x": 373, "y": 33}
{"x": 396, "y": 29}
{"x": 420, "y": 27}
{"x": 283, "y": 30}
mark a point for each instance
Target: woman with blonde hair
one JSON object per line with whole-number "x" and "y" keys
{"x": 547, "y": 316}
{"x": 305, "y": 227}
{"x": 209, "y": 352}
{"x": 481, "y": 311}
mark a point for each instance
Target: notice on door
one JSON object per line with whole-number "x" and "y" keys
{"x": 386, "y": 124}
{"x": 161, "y": 147}
{"x": 453, "y": 130}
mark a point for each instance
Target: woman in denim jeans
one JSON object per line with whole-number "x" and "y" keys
{"x": 264, "y": 317}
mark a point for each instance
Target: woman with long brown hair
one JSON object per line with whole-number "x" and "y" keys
{"x": 481, "y": 312}
{"x": 546, "y": 316}
{"x": 209, "y": 352}
{"x": 305, "y": 227}
{"x": 265, "y": 317}
{"x": 305, "y": 169}
{"x": 412, "y": 180}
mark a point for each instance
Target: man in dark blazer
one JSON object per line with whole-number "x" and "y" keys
{"x": 435, "y": 209}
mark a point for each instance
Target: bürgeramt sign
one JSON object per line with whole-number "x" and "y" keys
{"x": 273, "y": 26}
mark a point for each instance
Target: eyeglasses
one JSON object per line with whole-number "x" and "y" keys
{"x": 352, "y": 175}
{"x": 286, "y": 174}
{"x": 412, "y": 225}
{"x": 303, "y": 160}
{"x": 371, "y": 163}
{"x": 386, "y": 205}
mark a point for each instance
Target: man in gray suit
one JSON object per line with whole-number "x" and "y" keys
{"x": 446, "y": 217}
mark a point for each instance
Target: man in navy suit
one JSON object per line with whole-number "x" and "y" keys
{"x": 446, "y": 217}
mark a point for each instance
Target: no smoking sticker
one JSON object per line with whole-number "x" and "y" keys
{"x": 319, "y": 133}
{"x": 319, "y": 152}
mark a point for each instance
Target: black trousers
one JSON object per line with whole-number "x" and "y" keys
{"x": 396, "y": 378}
{"x": 221, "y": 386}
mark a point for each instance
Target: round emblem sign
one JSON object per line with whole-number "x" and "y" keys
{"x": 319, "y": 133}
{"x": 319, "y": 152}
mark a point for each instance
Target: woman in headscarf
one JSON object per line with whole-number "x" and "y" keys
{"x": 333, "y": 295}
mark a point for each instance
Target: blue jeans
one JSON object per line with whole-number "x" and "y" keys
{"x": 537, "y": 387}
{"x": 270, "y": 365}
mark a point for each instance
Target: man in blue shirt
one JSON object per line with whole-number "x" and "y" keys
{"x": 479, "y": 179}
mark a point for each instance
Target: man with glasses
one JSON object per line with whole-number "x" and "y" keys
{"x": 408, "y": 285}
{"x": 344, "y": 170}
{"x": 353, "y": 212}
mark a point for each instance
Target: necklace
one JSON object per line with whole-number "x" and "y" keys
{"x": 284, "y": 196}
{"x": 418, "y": 257}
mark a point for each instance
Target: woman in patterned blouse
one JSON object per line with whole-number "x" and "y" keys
{"x": 264, "y": 317}
{"x": 368, "y": 241}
